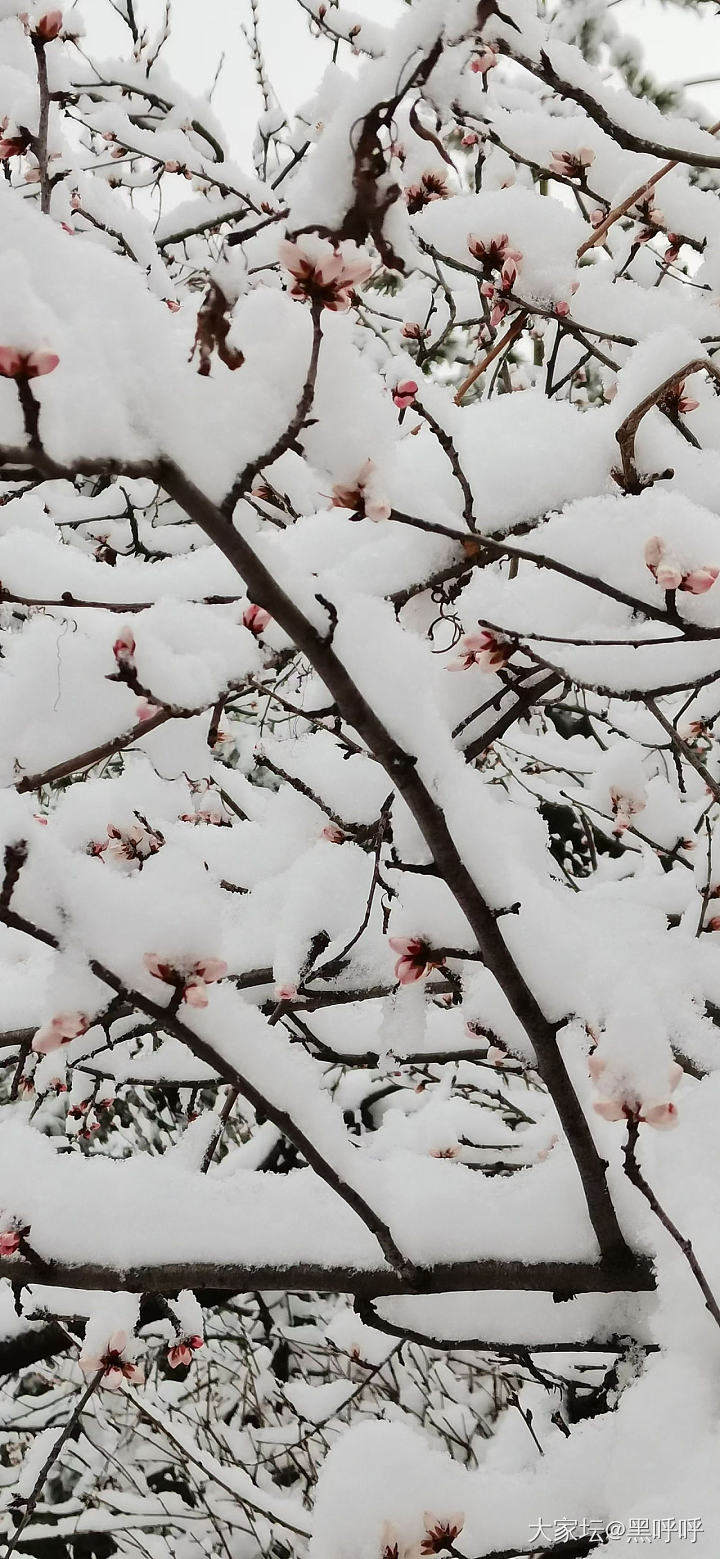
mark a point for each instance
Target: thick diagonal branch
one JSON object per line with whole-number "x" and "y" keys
{"x": 401, "y": 769}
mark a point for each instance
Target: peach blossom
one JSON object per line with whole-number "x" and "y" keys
{"x": 323, "y": 273}
{"x": 59, "y": 1031}
{"x": 15, "y": 364}
{"x": 256, "y": 619}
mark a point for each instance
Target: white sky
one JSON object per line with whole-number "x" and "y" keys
{"x": 677, "y": 45}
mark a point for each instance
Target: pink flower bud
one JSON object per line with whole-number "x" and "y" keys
{"x": 211, "y": 969}
{"x": 405, "y": 394}
{"x": 334, "y": 834}
{"x": 26, "y": 365}
{"x": 59, "y": 1031}
{"x": 124, "y": 646}
{"x": 49, "y": 25}
{"x": 668, "y": 575}
{"x": 484, "y": 62}
{"x": 700, "y": 580}
{"x": 256, "y": 619}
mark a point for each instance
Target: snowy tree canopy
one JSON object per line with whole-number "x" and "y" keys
{"x": 359, "y": 935}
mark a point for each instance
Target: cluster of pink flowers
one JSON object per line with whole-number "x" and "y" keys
{"x": 416, "y": 959}
{"x": 484, "y": 649}
{"x": 180, "y": 1354}
{"x": 670, "y": 575}
{"x": 134, "y": 844}
{"x": 256, "y": 619}
{"x": 493, "y": 255}
{"x": 192, "y": 981}
{"x": 116, "y": 1367}
{"x": 59, "y": 1031}
{"x": 621, "y": 1105}
{"x": 323, "y": 273}
{"x": 494, "y": 292}
{"x": 572, "y": 165}
{"x": 15, "y": 364}
{"x": 364, "y": 497}
{"x": 432, "y": 185}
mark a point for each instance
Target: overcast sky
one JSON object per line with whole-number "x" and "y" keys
{"x": 678, "y": 44}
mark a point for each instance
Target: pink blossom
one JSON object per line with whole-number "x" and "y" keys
{"x": 494, "y": 252}
{"x": 115, "y": 1367}
{"x": 686, "y": 403}
{"x": 323, "y": 273}
{"x": 432, "y": 185}
{"x": 10, "y": 1242}
{"x": 412, "y": 330}
{"x": 365, "y": 495}
{"x": 699, "y": 580}
{"x": 59, "y": 1031}
{"x": 562, "y": 309}
{"x": 285, "y": 992}
{"x": 181, "y": 1352}
{"x": 440, "y": 1534}
{"x": 211, "y": 969}
{"x": 334, "y": 834}
{"x": 256, "y": 619}
{"x": 484, "y": 62}
{"x": 405, "y": 393}
{"x": 669, "y": 573}
{"x": 415, "y": 960}
{"x": 469, "y": 138}
{"x": 624, "y": 808}
{"x": 172, "y": 304}
{"x": 124, "y": 646}
{"x": 191, "y": 980}
{"x": 571, "y": 165}
{"x": 49, "y": 25}
{"x": 626, "y": 1106}
{"x": 146, "y": 710}
{"x": 134, "y": 844}
{"x": 484, "y": 649}
{"x": 15, "y": 364}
